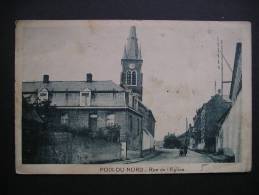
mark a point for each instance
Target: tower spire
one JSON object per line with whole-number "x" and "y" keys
{"x": 132, "y": 49}
{"x": 139, "y": 54}
{"x": 131, "y": 75}
{"x": 124, "y": 56}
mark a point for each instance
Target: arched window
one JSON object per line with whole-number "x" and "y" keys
{"x": 131, "y": 77}
{"x": 134, "y": 78}
{"x": 128, "y": 77}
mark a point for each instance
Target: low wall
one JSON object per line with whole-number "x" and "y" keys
{"x": 132, "y": 154}
{"x": 65, "y": 148}
{"x": 55, "y": 148}
{"x": 94, "y": 151}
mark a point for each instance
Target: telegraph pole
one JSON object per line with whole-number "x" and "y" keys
{"x": 186, "y": 132}
{"x": 215, "y": 87}
{"x": 221, "y": 60}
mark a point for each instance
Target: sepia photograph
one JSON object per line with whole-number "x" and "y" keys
{"x": 132, "y": 97}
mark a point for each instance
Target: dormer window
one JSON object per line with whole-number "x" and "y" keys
{"x": 43, "y": 95}
{"x": 85, "y": 97}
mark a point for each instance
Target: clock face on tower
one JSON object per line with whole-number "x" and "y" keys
{"x": 132, "y": 66}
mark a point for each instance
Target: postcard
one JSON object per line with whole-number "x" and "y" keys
{"x": 132, "y": 97}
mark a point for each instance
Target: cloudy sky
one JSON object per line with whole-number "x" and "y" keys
{"x": 180, "y": 59}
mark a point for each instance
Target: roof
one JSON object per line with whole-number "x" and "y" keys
{"x": 131, "y": 49}
{"x": 71, "y": 86}
{"x": 237, "y": 67}
{"x": 182, "y": 135}
{"x": 223, "y": 117}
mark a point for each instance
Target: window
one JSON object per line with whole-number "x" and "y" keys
{"x": 85, "y": 98}
{"x": 43, "y": 95}
{"x": 64, "y": 119}
{"x": 134, "y": 78}
{"x": 131, "y": 77}
{"x": 110, "y": 120}
{"x": 128, "y": 77}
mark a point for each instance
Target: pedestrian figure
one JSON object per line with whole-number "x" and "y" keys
{"x": 181, "y": 151}
{"x": 185, "y": 150}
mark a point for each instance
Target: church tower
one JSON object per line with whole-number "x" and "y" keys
{"x": 131, "y": 75}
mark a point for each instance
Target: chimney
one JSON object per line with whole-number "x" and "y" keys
{"x": 45, "y": 78}
{"x": 89, "y": 77}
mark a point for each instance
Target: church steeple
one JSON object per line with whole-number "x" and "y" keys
{"x": 124, "y": 56}
{"x": 131, "y": 50}
{"x": 131, "y": 76}
{"x": 139, "y": 54}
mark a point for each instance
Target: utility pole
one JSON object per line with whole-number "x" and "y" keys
{"x": 215, "y": 87}
{"x": 186, "y": 123}
{"x": 186, "y": 132}
{"x": 221, "y": 60}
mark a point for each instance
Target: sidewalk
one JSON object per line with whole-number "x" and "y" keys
{"x": 221, "y": 158}
{"x": 135, "y": 160}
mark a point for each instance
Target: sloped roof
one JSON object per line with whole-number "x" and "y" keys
{"x": 223, "y": 117}
{"x": 236, "y": 81}
{"x": 71, "y": 86}
{"x": 147, "y": 109}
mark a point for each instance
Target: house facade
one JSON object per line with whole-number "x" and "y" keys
{"x": 217, "y": 123}
{"x": 228, "y": 139}
{"x": 205, "y": 129}
{"x": 97, "y": 106}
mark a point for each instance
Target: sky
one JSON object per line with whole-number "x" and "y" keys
{"x": 180, "y": 63}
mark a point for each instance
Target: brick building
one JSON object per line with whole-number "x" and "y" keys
{"x": 98, "y": 105}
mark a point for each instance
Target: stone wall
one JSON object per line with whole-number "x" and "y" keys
{"x": 97, "y": 151}
{"x": 66, "y": 148}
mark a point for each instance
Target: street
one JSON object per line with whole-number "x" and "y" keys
{"x": 169, "y": 156}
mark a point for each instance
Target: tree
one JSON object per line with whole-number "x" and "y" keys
{"x": 46, "y": 111}
{"x": 171, "y": 141}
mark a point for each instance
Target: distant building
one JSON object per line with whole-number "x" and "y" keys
{"x": 159, "y": 145}
{"x": 97, "y": 105}
{"x": 228, "y": 138}
{"x": 183, "y": 138}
